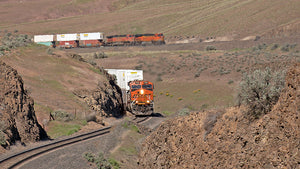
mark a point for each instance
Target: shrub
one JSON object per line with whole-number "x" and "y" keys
{"x": 2, "y": 139}
{"x": 230, "y": 81}
{"x": 139, "y": 67}
{"x": 208, "y": 48}
{"x": 285, "y": 48}
{"x": 100, "y": 55}
{"x": 260, "y": 90}
{"x": 49, "y": 51}
{"x": 159, "y": 79}
{"x": 262, "y": 46}
{"x": 62, "y": 116}
{"x": 114, "y": 163}
{"x": 101, "y": 161}
{"x": 275, "y": 46}
{"x": 167, "y": 113}
{"x": 184, "y": 112}
{"x": 10, "y": 41}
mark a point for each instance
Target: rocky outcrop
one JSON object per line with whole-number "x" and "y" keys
{"x": 17, "y": 115}
{"x": 230, "y": 140}
{"x": 106, "y": 99}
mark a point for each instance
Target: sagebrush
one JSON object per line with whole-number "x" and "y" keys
{"x": 260, "y": 90}
{"x": 101, "y": 161}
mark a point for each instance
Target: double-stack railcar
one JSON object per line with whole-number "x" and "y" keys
{"x": 47, "y": 40}
{"x": 67, "y": 40}
{"x": 91, "y": 39}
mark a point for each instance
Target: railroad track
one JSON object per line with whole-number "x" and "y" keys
{"x": 16, "y": 160}
{"x": 140, "y": 119}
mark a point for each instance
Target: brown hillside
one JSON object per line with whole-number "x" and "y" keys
{"x": 223, "y": 19}
{"x": 64, "y": 82}
{"x": 229, "y": 140}
{"x": 16, "y": 11}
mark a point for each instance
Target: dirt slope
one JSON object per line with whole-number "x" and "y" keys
{"x": 17, "y": 115}
{"x": 63, "y": 82}
{"x": 228, "y": 140}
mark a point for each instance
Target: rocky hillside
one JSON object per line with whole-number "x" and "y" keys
{"x": 228, "y": 139}
{"x": 17, "y": 116}
{"x": 106, "y": 99}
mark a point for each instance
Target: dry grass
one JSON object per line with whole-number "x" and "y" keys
{"x": 51, "y": 80}
{"x": 195, "y": 79}
{"x": 231, "y": 18}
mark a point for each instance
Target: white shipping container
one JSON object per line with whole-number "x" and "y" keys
{"x": 91, "y": 36}
{"x": 67, "y": 37}
{"x": 125, "y": 75}
{"x": 43, "y": 38}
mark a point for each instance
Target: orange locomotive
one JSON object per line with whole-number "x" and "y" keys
{"x": 155, "y": 39}
{"x": 141, "y": 97}
{"x": 138, "y": 39}
{"x": 119, "y": 40}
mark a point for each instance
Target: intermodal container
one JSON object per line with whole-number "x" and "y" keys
{"x": 43, "y": 38}
{"x": 91, "y": 36}
{"x": 125, "y": 75}
{"x": 67, "y": 37}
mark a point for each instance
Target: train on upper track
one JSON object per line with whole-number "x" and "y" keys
{"x": 97, "y": 39}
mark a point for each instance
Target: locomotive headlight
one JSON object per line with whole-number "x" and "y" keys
{"x": 142, "y": 91}
{"x": 148, "y": 101}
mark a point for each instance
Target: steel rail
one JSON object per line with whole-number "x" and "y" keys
{"x": 19, "y": 158}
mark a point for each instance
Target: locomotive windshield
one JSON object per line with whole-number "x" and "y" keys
{"x": 148, "y": 86}
{"x": 135, "y": 87}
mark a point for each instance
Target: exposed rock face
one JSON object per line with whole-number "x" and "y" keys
{"x": 107, "y": 98}
{"x": 230, "y": 140}
{"x": 17, "y": 115}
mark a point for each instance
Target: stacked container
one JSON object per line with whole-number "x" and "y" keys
{"x": 91, "y": 39}
{"x": 47, "y": 40}
{"x": 68, "y": 40}
{"x": 125, "y": 75}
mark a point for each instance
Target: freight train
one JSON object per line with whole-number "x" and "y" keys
{"x": 96, "y": 39}
{"x": 137, "y": 93}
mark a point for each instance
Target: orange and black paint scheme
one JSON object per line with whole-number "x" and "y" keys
{"x": 141, "y": 97}
{"x": 155, "y": 39}
{"x": 138, "y": 39}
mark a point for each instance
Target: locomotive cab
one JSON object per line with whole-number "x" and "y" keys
{"x": 141, "y": 97}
